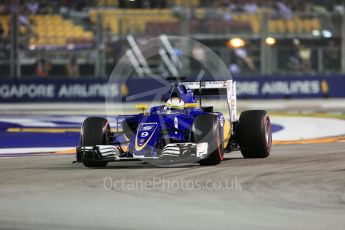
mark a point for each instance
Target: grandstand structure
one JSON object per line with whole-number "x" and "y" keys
{"x": 55, "y": 30}
{"x": 98, "y": 30}
{"x": 140, "y": 21}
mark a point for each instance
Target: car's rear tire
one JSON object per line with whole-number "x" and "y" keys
{"x": 207, "y": 128}
{"x": 255, "y": 134}
{"x": 93, "y": 132}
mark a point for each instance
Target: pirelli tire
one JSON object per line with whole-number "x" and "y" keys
{"x": 93, "y": 132}
{"x": 255, "y": 134}
{"x": 207, "y": 128}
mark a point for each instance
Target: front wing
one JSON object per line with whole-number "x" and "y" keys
{"x": 176, "y": 152}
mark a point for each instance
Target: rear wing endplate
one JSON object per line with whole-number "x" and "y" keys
{"x": 217, "y": 88}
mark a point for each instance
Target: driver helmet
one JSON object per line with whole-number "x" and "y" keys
{"x": 174, "y": 104}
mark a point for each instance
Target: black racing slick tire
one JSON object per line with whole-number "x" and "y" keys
{"x": 93, "y": 132}
{"x": 255, "y": 134}
{"x": 207, "y": 128}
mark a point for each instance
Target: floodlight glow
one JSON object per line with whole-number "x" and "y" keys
{"x": 236, "y": 42}
{"x": 316, "y": 33}
{"x": 326, "y": 33}
{"x": 270, "y": 41}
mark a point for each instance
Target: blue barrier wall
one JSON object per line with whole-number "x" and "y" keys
{"x": 95, "y": 90}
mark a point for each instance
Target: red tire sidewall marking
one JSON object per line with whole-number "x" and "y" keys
{"x": 105, "y": 129}
{"x": 218, "y": 144}
{"x": 267, "y": 126}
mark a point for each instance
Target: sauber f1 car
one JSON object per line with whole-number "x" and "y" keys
{"x": 179, "y": 131}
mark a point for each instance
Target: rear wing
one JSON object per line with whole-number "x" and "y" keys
{"x": 217, "y": 88}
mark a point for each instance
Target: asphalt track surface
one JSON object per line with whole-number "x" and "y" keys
{"x": 297, "y": 187}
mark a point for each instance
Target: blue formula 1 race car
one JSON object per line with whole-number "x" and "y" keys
{"x": 179, "y": 131}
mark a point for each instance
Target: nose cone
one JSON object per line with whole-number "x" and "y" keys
{"x": 146, "y": 137}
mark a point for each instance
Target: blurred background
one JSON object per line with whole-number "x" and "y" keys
{"x": 296, "y": 47}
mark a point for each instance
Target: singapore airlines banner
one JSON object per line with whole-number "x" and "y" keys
{"x": 291, "y": 87}
{"x": 96, "y": 90}
{"x": 268, "y": 87}
{"x": 55, "y": 90}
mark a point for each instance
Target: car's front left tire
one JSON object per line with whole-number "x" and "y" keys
{"x": 93, "y": 132}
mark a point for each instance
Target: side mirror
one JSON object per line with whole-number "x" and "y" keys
{"x": 142, "y": 107}
{"x": 191, "y": 105}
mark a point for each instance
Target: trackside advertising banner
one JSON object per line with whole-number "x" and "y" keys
{"x": 267, "y": 87}
{"x": 291, "y": 87}
{"x": 55, "y": 90}
{"x": 95, "y": 90}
